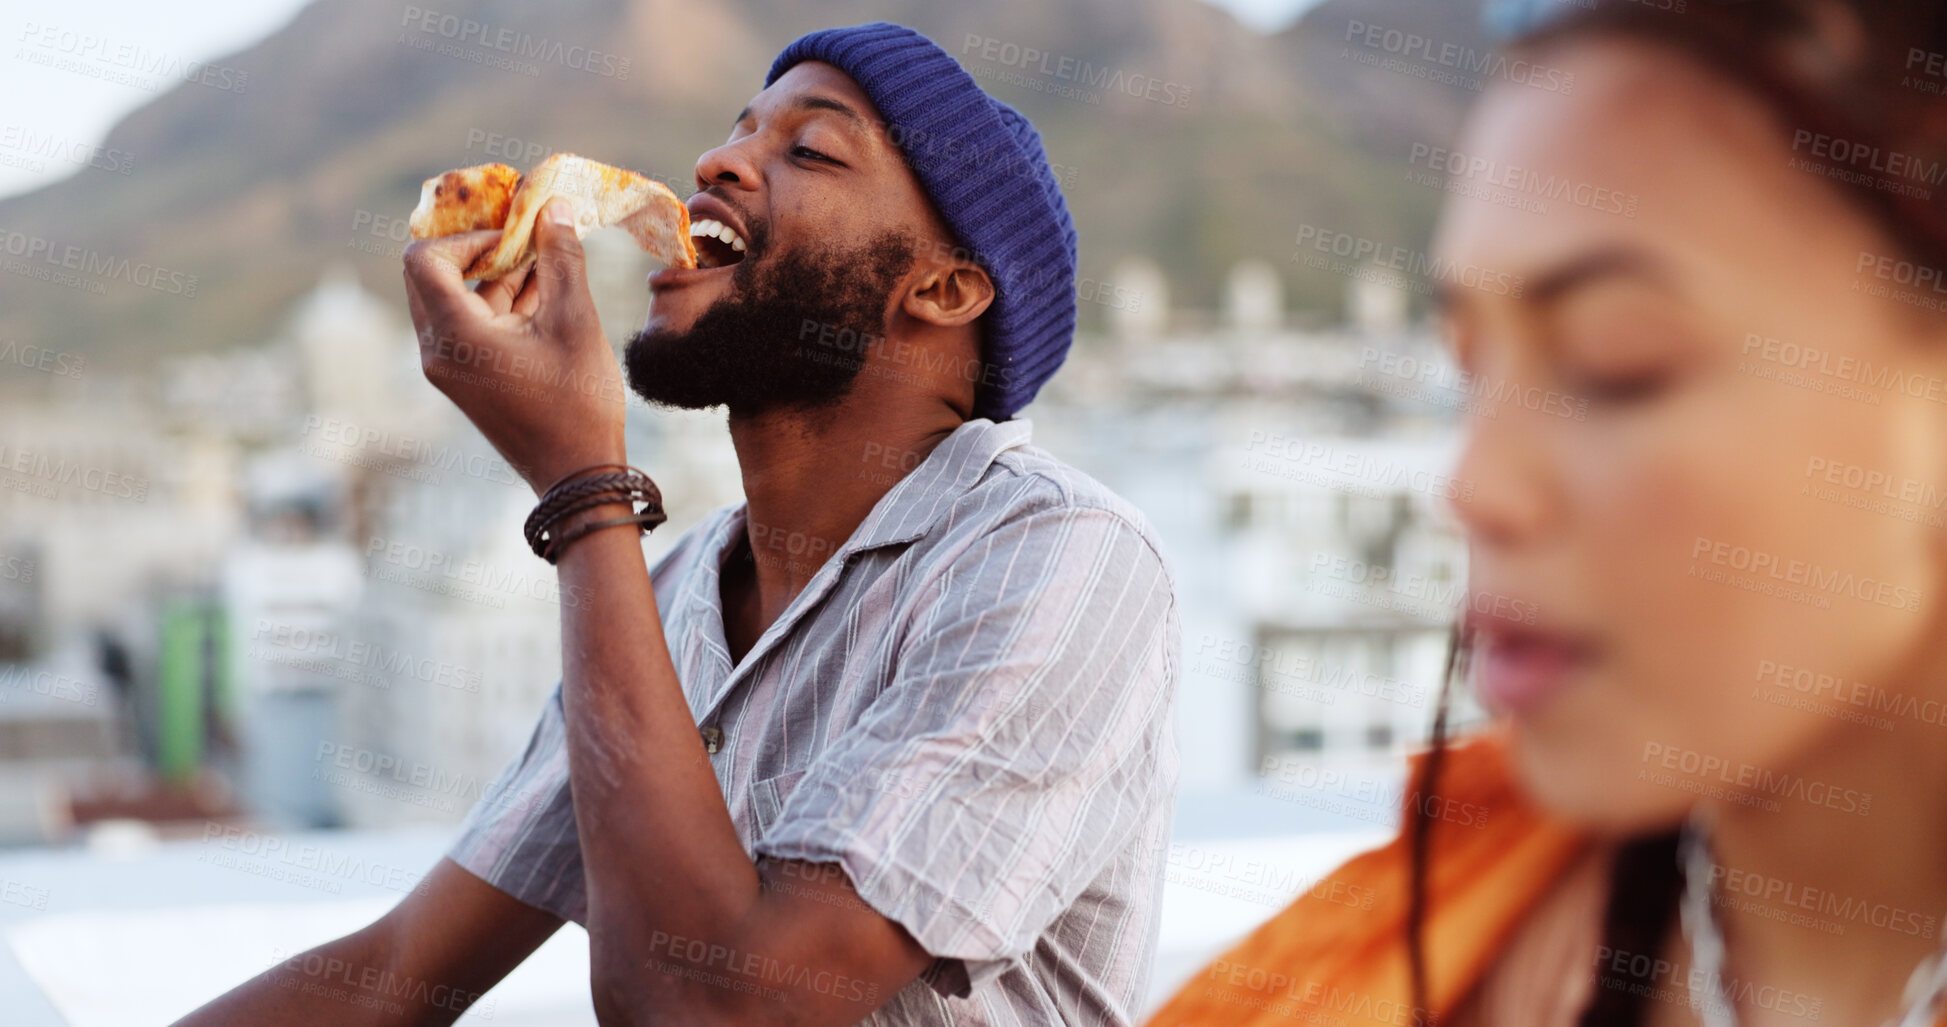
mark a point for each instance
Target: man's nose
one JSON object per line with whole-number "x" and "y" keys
{"x": 727, "y": 166}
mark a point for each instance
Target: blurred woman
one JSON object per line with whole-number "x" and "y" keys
{"x": 1708, "y": 613}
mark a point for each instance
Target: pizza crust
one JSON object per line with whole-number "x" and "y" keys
{"x": 484, "y": 196}
{"x": 466, "y": 200}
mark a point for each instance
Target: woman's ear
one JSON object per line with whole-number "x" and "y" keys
{"x": 948, "y": 294}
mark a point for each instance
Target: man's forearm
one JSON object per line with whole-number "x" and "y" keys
{"x": 278, "y": 995}
{"x": 681, "y": 926}
{"x": 346, "y": 982}
{"x": 424, "y": 963}
{"x": 660, "y": 855}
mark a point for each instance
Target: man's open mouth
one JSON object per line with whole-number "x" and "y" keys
{"x": 717, "y": 244}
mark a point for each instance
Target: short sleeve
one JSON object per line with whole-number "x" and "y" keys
{"x": 1022, "y": 742}
{"x": 520, "y": 837}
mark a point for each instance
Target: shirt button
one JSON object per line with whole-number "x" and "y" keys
{"x": 712, "y": 739}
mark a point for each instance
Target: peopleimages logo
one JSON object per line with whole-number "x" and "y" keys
{"x": 1454, "y": 60}
{"x": 22, "y": 680}
{"x": 122, "y": 61}
{"x": 40, "y": 358}
{"x": 1359, "y": 252}
{"x": 1731, "y": 884}
{"x": 14, "y": 568}
{"x": 503, "y": 40}
{"x": 1859, "y": 155}
{"x": 60, "y": 471}
{"x": 1746, "y": 780}
{"x": 1064, "y": 68}
{"x": 1524, "y": 181}
{"x": 21, "y": 146}
{"x": 1899, "y": 488}
{"x": 1280, "y": 670}
{"x": 422, "y": 454}
{"x": 41, "y": 254}
{"x": 1849, "y": 369}
{"x": 1784, "y": 678}
{"x": 1799, "y": 573}
{"x": 1321, "y": 463}
{"x": 1330, "y": 1003}
{"x": 302, "y": 648}
{"x": 1443, "y": 376}
{"x": 1417, "y": 594}
{"x": 406, "y": 772}
{"x": 1901, "y": 272}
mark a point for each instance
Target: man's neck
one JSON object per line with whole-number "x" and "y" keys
{"x": 810, "y": 479}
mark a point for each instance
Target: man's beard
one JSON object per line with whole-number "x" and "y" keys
{"x": 766, "y": 346}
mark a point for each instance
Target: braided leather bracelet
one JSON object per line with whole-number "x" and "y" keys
{"x": 645, "y": 521}
{"x": 576, "y": 485}
{"x": 580, "y": 484}
{"x": 587, "y": 489}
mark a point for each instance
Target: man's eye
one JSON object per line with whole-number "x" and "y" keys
{"x": 807, "y": 153}
{"x": 1622, "y": 390}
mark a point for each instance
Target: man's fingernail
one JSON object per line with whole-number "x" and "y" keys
{"x": 559, "y": 213}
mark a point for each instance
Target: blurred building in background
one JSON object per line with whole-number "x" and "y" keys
{"x": 275, "y": 604}
{"x": 319, "y": 611}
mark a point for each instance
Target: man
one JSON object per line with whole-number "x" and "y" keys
{"x": 879, "y": 745}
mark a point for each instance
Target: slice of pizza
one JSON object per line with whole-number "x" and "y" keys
{"x": 466, "y": 200}
{"x": 600, "y": 195}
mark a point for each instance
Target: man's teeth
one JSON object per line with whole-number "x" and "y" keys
{"x": 714, "y": 229}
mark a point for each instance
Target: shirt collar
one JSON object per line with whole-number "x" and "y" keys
{"x": 906, "y": 512}
{"x": 913, "y": 505}
{"x": 903, "y": 514}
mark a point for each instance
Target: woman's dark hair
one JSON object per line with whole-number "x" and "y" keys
{"x": 1420, "y": 824}
{"x": 1870, "y": 72}
{"x": 1643, "y": 884}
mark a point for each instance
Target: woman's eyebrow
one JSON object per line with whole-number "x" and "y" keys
{"x": 1590, "y": 268}
{"x": 1579, "y": 271}
{"x": 1595, "y": 266}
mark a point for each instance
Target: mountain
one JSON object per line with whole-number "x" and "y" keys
{"x": 340, "y": 115}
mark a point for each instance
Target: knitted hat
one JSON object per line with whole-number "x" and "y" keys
{"x": 982, "y": 165}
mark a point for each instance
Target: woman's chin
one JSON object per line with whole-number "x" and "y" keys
{"x": 1594, "y": 786}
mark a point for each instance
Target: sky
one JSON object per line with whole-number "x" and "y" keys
{"x": 70, "y": 70}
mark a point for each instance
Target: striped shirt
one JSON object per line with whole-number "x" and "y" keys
{"x": 968, "y": 708}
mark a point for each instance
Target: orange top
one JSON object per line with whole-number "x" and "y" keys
{"x": 1330, "y": 962}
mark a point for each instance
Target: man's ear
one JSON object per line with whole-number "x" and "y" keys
{"x": 949, "y": 294}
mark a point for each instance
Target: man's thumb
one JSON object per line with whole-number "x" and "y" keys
{"x": 559, "y": 265}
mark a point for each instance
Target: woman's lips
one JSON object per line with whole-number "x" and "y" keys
{"x": 1516, "y": 671}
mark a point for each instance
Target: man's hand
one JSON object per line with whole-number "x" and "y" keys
{"x": 524, "y": 356}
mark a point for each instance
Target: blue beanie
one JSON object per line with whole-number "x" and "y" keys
{"x": 982, "y": 165}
